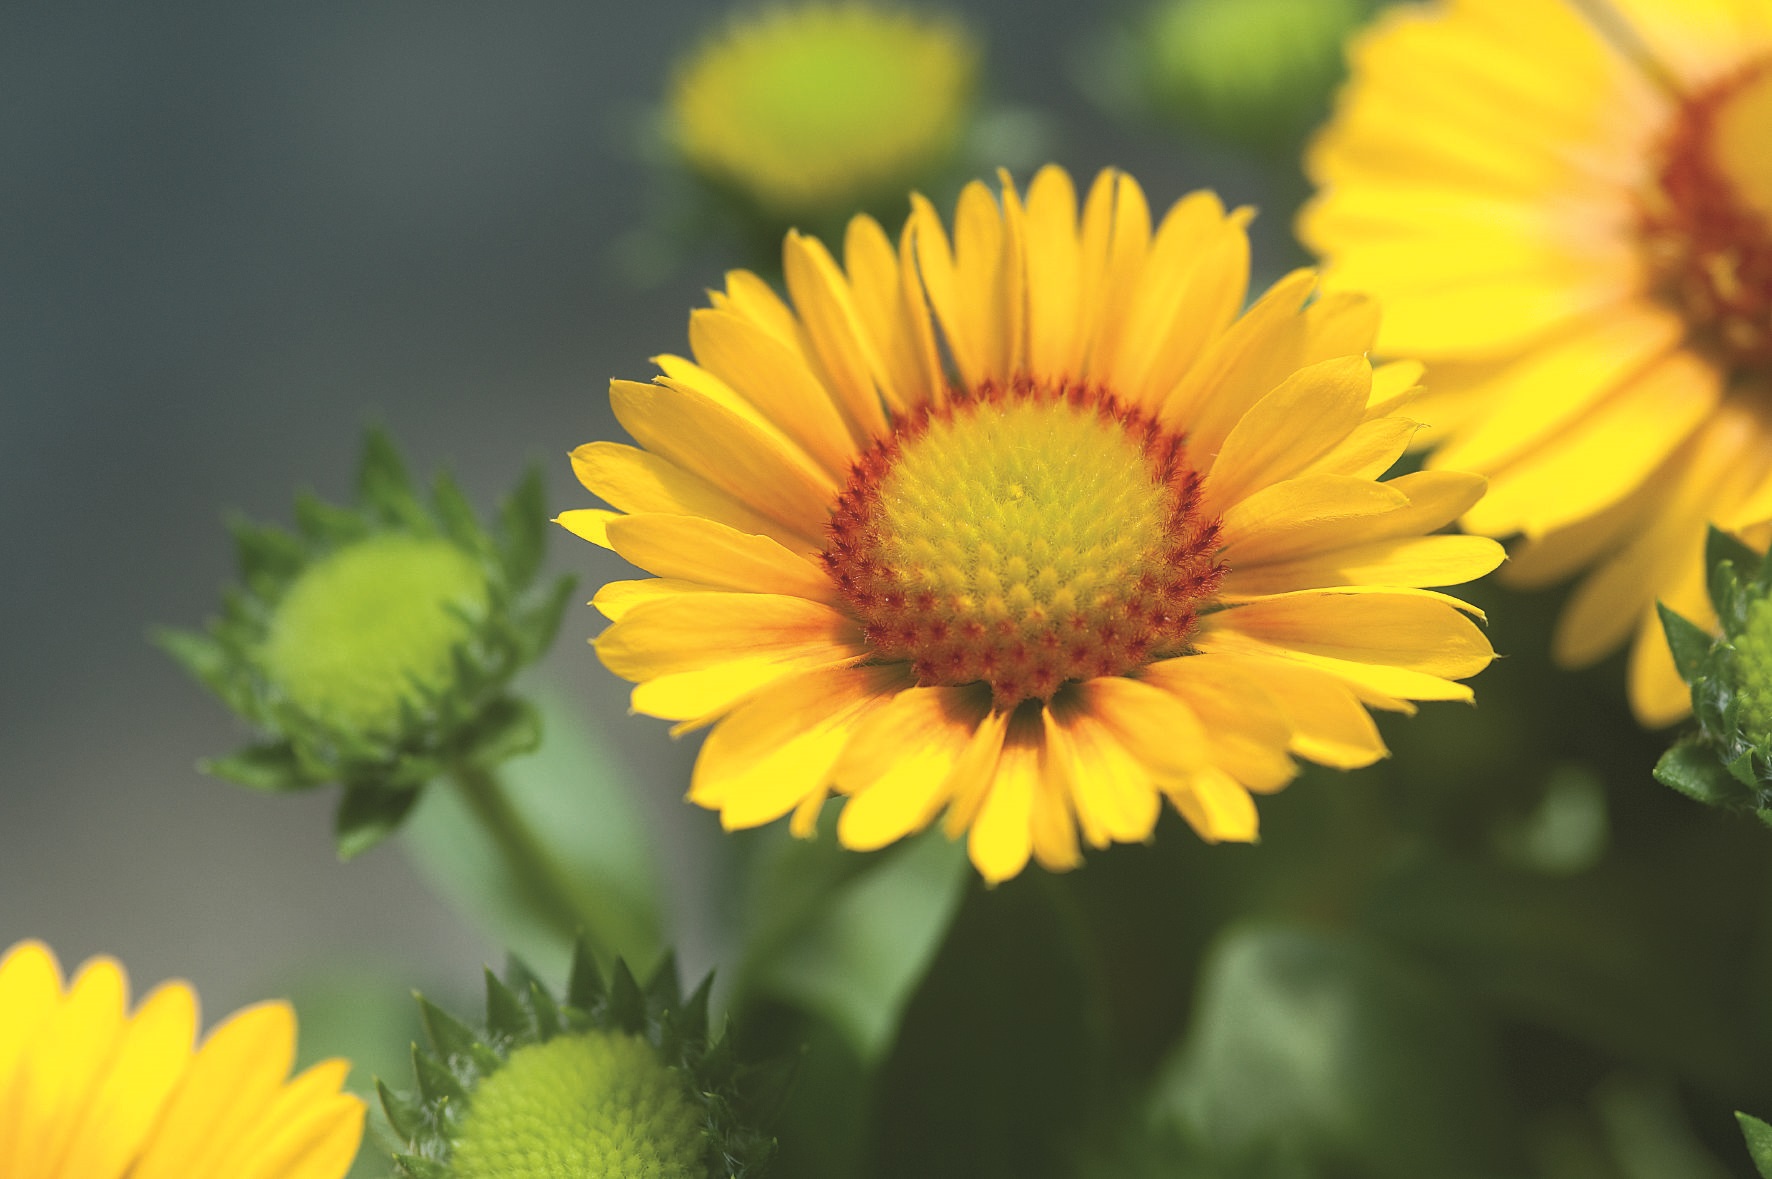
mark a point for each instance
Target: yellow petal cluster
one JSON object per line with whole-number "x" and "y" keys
{"x": 1497, "y": 172}
{"x": 1319, "y": 608}
{"x": 92, "y": 1090}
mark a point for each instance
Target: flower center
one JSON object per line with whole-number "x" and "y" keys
{"x": 1023, "y": 537}
{"x": 599, "y": 1103}
{"x": 362, "y": 631}
{"x": 1753, "y": 651}
{"x": 1707, "y": 219}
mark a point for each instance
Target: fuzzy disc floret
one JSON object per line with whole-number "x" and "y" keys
{"x": 1024, "y": 536}
{"x": 599, "y": 1103}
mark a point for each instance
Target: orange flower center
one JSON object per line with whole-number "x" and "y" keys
{"x": 1707, "y": 219}
{"x": 1022, "y": 537}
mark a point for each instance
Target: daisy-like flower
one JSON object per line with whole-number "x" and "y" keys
{"x": 91, "y": 1089}
{"x": 1133, "y": 546}
{"x": 817, "y": 107}
{"x": 1566, "y": 208}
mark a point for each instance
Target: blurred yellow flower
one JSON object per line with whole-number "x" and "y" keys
{"x": 1567, "y": 211}
{"x": 814, "y": 108}
{"x": 1133, "y": 548}
{"x": 93, "y": 1091}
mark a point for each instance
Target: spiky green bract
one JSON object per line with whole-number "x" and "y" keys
{"x": 1728, "y": 761}
{"x": 1759, "y": 1142}
{"x": 731, "y": 1100}
{"x": 376, "y": 681}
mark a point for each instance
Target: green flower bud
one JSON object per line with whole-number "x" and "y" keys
{"x": 1245, "y": 69}
{"x": 1728, "y": 761}
{"x": 373, "y": 645}
{"x": 804, "y": 114}
{"x": 618, "y": 1080}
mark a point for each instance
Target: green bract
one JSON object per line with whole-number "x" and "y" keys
{"x": 1728, "y": 762}
{"x": 617, "y": 1080}
{"x": 373, "y": 645}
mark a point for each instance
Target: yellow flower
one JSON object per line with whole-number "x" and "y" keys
{"x": 90, "y": 1090}
{"x": 817, "y": 107}
{"x": 1133, "y": 547}
{"x": 1567, "y": 210}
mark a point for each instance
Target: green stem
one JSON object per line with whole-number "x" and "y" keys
{"x": 545, "y": 886}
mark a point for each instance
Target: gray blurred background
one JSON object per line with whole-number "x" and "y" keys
{"x": 235, "y": 234}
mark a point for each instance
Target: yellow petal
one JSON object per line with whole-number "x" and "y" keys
{"x": 1109, "y": 788}
{"x": 590, "y": 524}
{"x": 1306, "y": 416}
{"x": 1215, "y": 806}
{"x": 148, "y": 1061}
{"x": 1370, "y": 450}
{"x": 698, "y": 698}
{"x": 756, "y": 466}
{"x": 774, "y": 379}
{"x": 1329, "y": 726}
{"x": 781, "y": 745}
{"x": 1600, "y": 461}
{"x": 690, "y": 631}
{"x": 702, "y": 550}
{"x": 839, "y": 339}
{"x": 234, "y": 1077}
{"x": 890, "y": 306}
{"x": 635, "y": 481}
{"x": 1002, "y": 835}
{"x": 616, "y": 598}
{"x": 1555, "y": 384}
{"x": 30, "y": 989}
{"x": 1412, "y": 629}
{"x": 1247, "y": 733}
{"x": 1054, "y": 277}
{"x": 1420, "y": 562}
{"x": 1318, "y": 514}
{"x": 317, "y": 1139}
{"x": 898, "y": 762}
{"x": 50, "y": 1091}
{"x": 1116, "y": 239}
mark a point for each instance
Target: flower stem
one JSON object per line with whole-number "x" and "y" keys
{"x": 546, "y": 888}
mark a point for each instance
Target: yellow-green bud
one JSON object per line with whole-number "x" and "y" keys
{"x": 595, "y": 1104}
{"x": 363, "y": 628}
{"x": 1246, "y": 68}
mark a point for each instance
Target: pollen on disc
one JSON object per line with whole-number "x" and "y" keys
{"x": 1024, "y": 536}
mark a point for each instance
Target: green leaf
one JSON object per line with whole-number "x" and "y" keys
{"x": 1689, "y": 642}
{"x": 384, "y": 485}
{"x": 573, "y": 795}
{"x": 1759, "y": 1142}
{"x": 523, "y": 529}
{"x": 275, "y": 767}
{"x": 367, "y": 815}
{"x": 1316, "y": 1044}
{"x": 1692, "y": 768}
{"x": 861, "y": 953}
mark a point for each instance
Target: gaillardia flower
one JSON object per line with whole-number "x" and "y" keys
{"x": 820, "y": 106}
{"x": 1132, "y": 546}
{"x": 93, "y": 1090}
{"x": 1566, "y": 208}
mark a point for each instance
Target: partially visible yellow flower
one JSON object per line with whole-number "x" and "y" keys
{"x": 91, "y": 1090}
{"x": 819, "y": 106}
{"x": 1134, "y": 547}
{"x": 1566, "y": 207}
